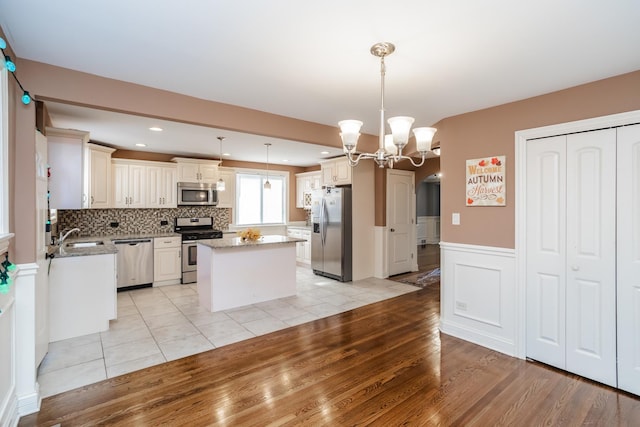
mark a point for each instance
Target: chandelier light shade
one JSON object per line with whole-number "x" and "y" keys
{"x": 267, "y": 184}
{"x": 220, "y": 185}
{"x": 390, "y": 146}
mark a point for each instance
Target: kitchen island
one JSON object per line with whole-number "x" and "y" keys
{"x": 233, "y": 272}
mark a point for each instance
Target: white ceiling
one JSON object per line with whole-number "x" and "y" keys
{"x": 185, "y": 140}
{"x": 311, "y": 60}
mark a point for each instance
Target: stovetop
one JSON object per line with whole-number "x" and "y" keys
{"x": 200, "y": 234}
{"x": 196, "y": 228}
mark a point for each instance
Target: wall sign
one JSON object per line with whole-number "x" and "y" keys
{"x": 486, "y": 183}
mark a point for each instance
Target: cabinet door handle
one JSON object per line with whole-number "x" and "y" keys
{"x": 92, "y": 199}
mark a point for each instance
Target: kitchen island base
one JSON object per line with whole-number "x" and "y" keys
{"x": 233, "y": 274}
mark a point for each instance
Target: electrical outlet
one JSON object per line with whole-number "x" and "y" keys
{"x": 461, "y": 305}
{"x": 164, "y": 222}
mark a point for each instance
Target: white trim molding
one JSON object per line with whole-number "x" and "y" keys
{"x": 381, "y": 252}
{"x": 478, "y": 295}
{"x": 8, "y": 399}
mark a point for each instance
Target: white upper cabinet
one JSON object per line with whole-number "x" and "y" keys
{"x": 336, "y": 172}
{"x": 129, "y": 184}
{"x": 80, "y": 171}
{"x": 227, "y": 198}
{"x": 306, "y": 182}
{"x": 196, "y": 170}
{"x": 161, "y": 186}
{"x": 98, "y": 180}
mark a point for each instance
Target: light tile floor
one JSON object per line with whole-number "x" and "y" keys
{"x": 156, "y": 325}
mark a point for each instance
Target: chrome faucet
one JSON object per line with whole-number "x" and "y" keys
{"x": 64, "y": 236}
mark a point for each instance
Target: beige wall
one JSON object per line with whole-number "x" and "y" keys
{"x": 22, "y": 164}
{"x": 52, "y": 83}
{"x": 477, "y": 134}
{"x": 490, "y": 132}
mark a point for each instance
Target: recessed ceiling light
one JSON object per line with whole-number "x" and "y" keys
{"x": 141, "y": 145}
{"x": 285, "y": 160}
{"x": 226, "y": 154}
{"x": 155, "y": 129}
{"x": 324, "y": 152}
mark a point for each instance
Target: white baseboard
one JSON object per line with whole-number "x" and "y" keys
{"x": 30, "y": 403}
{"x": 9, "y": 415}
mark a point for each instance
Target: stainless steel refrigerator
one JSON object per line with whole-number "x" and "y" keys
{"x": 331, "y": 241}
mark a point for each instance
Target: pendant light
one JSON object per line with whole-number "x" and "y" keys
{"x": 220, "y": 186}
{"x": 267, "y": 184}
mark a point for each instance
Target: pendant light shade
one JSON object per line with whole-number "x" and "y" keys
{"x": 220, "y": 185}
{"x": 267, "y": 184}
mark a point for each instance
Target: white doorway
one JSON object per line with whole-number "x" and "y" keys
{"x": 571, "y": 307}
{"x": 401, "y": 210}
{"x": 574, "y": 190}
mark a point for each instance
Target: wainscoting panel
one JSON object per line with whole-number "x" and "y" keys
{"x": 478, "y": 297}
{"x": 8, "y": 399}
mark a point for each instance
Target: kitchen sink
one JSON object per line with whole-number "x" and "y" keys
{"x": 77, "y": 245}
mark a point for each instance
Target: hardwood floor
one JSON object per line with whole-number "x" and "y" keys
{"x": 383, "y": 364}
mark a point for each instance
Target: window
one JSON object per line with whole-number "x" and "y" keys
{"x": 257, "y": 206}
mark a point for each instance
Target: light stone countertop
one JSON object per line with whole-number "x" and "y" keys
{"x": 237, "y": 242}
{"x": 106, "y": 246}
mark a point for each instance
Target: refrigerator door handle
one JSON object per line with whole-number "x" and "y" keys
{"x": 325, "y": 215}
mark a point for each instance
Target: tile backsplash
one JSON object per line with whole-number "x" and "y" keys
{"x": 100, "y": 221}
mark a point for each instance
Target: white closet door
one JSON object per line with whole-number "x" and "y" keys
{"x": 591, "y": 255}
{"x": 629, "y": 258}
{"x": 546, "y": 250}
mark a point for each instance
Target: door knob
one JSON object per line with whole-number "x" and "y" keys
{"x": 575, "y": 268}
{"x": 392, "y": 230}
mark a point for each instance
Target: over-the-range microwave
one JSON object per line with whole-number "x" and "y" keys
{"x": 197, "y": 194}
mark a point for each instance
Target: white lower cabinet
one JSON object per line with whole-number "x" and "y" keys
{"x": 167, "y": 260}
{"x": 82, "y": 295}
{"x": 303, "y": 249}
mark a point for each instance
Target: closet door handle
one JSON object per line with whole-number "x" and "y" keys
{"x": 575, "y": 268}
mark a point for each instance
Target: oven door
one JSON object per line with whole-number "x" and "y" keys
{"x": 189, "y": 256}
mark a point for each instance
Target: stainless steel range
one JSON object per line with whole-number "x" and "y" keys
{"x": 192, "y": 231}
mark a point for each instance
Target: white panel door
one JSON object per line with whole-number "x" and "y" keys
{"x": 591, "y": 255}
{"x": 42, "y": 279}
{"x": 170, "y": 189}
{"x": 154, "y": 186}
{"x": 120, "y": 185}
{"x": 400, "y": 220}
{"x": 628, "y": 261}
{"x": 546, "y": 247}
{"x": 99, "y": 179}
{"x": 137, "y": 186}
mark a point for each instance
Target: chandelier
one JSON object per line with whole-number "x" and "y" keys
{"x": 390, "y": 146}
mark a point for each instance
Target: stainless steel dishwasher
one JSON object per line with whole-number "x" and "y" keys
{"x": 135, "y": 262}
